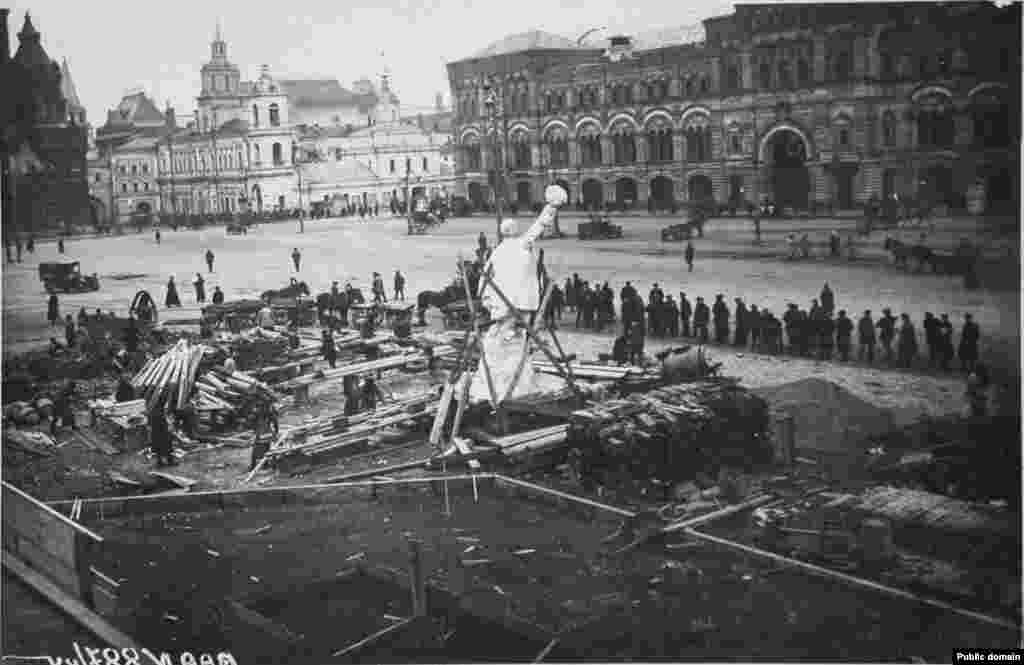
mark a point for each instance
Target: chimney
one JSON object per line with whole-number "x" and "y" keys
{"x": 5, "y": 37}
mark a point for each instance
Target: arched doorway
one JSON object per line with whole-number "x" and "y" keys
{"x": 936, "y": 186}
{"x": 144, "y": 208}
{"x": 524, "y": 194}
{"x": 565, "y": 185}
{"x": 701, "y": 188}
{"x": 662, "y": 193}
{"x": 625, "y": 193}
{"x": 786, "y": 157}
{"x": 476, "y": 195}
{"x": 593, "y": 194}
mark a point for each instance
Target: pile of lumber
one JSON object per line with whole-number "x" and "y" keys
{"x": 218, "y": 390}
{"x": 390, "y": 362}
{"x": 669, "y": 432}
{"x": 532, "y": 442}
{"x": 122, "y": 422}
{"x": 591, "y": 371}
{"x": 338, "y": 432}
{"x": 172, "y": 375}
{"x": 257, "y": 347}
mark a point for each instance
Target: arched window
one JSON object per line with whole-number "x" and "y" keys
{"x": 275, "y": 116}
{"x": 889, "y": 129}
{"x": 255, "y": 116}
{"x": 934, "y": 123}
{"x": 785, "y": 77}
{"x": 590, "y": 146}
{"x": 135, "y": 169}
{"x": 558, "y": 148}
{"x": 277, "y": 154}
{"x": 256, "y": 154}
{"x": 521, "y": 151}
{"x": 471, "y": 152}
{"x": 624, "y": 145}
{"x": 764, "y": 76}
{"x": 659, "y": 142}
{"x": 698, "y": 140}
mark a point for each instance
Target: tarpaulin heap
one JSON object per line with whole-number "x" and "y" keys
{"x": 513, "y": 268}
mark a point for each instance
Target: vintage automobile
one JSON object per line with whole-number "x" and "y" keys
{"x": 66, "y": 277}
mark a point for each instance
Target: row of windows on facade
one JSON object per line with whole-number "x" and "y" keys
{"x": 772, "y": 74}
{"x": 935, "y": 129}
{"x": 225, "y": 160}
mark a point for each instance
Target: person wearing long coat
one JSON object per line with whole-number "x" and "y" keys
{"x": 907, "y": 343}
{"x": 53, "y": 310}
{"x": 200, "y": 285}
{"x": 742, "y": 317}
{"x": 172, "y": 299}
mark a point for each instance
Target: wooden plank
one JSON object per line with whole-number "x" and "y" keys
{"x": 88, "y": 619}
{"x": 374, "y": 639}
{"x": 180, "y": 481}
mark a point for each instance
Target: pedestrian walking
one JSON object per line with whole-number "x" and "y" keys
{"x": 17, "y": 246}
{"x": 69, "y": 331}
{"x": 968, "y": 350}
{"x": 754, "y": 326}
{"x": 172, "y": 299}
{"x": 906, "y": 346}
{"x": 328, "y": 347}
{"x": 157, "y": 235}
{"x": 720, "y": 314}
{"x": 200, "y": 286}
{"x": 378, "y": 289}
{"x": 672, "y": 316}
{"x": 218, "y": 296}
{"x": 844, "y": 333}
{"x": 701, "y": 318}
{"x": 209, "y": 260}
{"x": 685, "y": 312}
{"x": 60, "y": 245}
{"x": 53, "y": 310}
{"x": 688, "y": 255}
{"x": 399, "y": 285}
{"x": 557, "y": 303}
{"x": 886, "y": 332}
{"x": 866, "y": 337}
{"x": 931, "y": 338}
{"x": 296, "y": 258}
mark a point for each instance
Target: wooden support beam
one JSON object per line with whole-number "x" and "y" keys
{"x": 71, "y": 606}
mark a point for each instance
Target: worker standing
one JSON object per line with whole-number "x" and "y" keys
{"x": 160, "y": 436}
{"x": 209, "y": 259}
{"x": 53, "y": 310}
{"x": 296, "y": 258}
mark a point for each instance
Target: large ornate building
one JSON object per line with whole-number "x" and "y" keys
{"x": 45, "y": 138}
{"x": 803, "y": 104}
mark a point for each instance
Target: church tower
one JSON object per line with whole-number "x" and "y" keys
{"x": 220, "y": 85}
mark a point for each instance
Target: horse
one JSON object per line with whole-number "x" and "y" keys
{"x": 446, "y": 296}
{"x": 293, "y": 290}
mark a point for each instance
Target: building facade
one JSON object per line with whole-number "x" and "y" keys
{"x": 805, "y": 105}
{"x": 378, "y": 164}
{"x": 45, "y": 139}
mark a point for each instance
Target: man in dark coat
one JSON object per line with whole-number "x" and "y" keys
{"x": 172, "y": 299}
{"x": 792, "y": 334}
{"x": 131, "y": 336}
{"x": 931, "y": 338}
{"x": 907, "y": 344}
{"x": 62, "y": 410}
{"x": 672, "y": 316}
{"x": 69, "y": 331}
{"x": 125, "y": 391}
{"x": 701, "y": 318}
{"x": 636, "y": 343}
{"x": 741, "y": 316}
{"x": 688, "y": 255}
{"x": 720, "y": 313}
{"x": 328, "y": 348}
{"x": 828, "y": 299}
{"x": 209, "y": 260}
{"x": 968, "y": 350}
{"x": 886, "y": 332}
{"x": 53, "y": 310}
{"x": 296, "y": 258}
{"x": 570, "y": 295}
{"x": 218, "y": 296}
{"x": 844, "y": 333}
{"x": 557, "y": 303}
{"x": 160, "y": 436}
{"x": 826, "y": 335}
{"x": 685, "y": 312}
{"x": 754, "y": 327}
{"x": 399, "y": 285}
{"x": 620, "y": 350}
{"x": 866, "y": 337}
{"x": 200, "y": 285}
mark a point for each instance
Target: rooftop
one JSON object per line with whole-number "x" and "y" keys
{"x": 319, "y": 92}
{"x": 532, "y": 40}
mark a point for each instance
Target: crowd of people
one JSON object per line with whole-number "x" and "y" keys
{"x": 820, "y": 331}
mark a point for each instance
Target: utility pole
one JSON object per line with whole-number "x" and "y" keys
{"x": 491, "y": 104}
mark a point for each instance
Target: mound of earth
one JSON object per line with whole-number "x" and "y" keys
{"x": 826, "y": 416}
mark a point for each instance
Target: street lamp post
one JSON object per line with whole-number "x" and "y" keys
{"x": 491, "y": 104}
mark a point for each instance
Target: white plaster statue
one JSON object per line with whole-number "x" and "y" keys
{"x": 513, "y": 266}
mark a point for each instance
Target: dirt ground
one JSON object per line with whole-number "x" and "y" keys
{"x": 708, "y": 604}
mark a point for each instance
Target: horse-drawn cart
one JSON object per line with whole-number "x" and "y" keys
{"x": 66, "y": 277}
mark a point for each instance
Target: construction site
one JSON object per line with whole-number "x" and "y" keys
{"x": 496, "y": 498}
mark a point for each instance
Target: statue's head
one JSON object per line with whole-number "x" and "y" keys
{"x": 555, "y": 195}
{"x": 509, "y": 228}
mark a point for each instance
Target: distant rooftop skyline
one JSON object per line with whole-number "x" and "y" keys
{"x": 113, "y": 47}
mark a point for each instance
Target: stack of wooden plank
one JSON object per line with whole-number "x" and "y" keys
{"x": 532, "y": 442}
{"x": 667, "y": 432}
{"x": 218, "y": 390}
{"x": 257, "y": 348}
{"x": 589, "y": 371}
{"x": 124, "y": 423}
{"x": 338, "y": 432}
{"x": 172, "y": 375}
{"x": 391, "y": 362}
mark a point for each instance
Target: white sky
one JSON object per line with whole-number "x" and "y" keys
{"x": 160, "y": 46}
